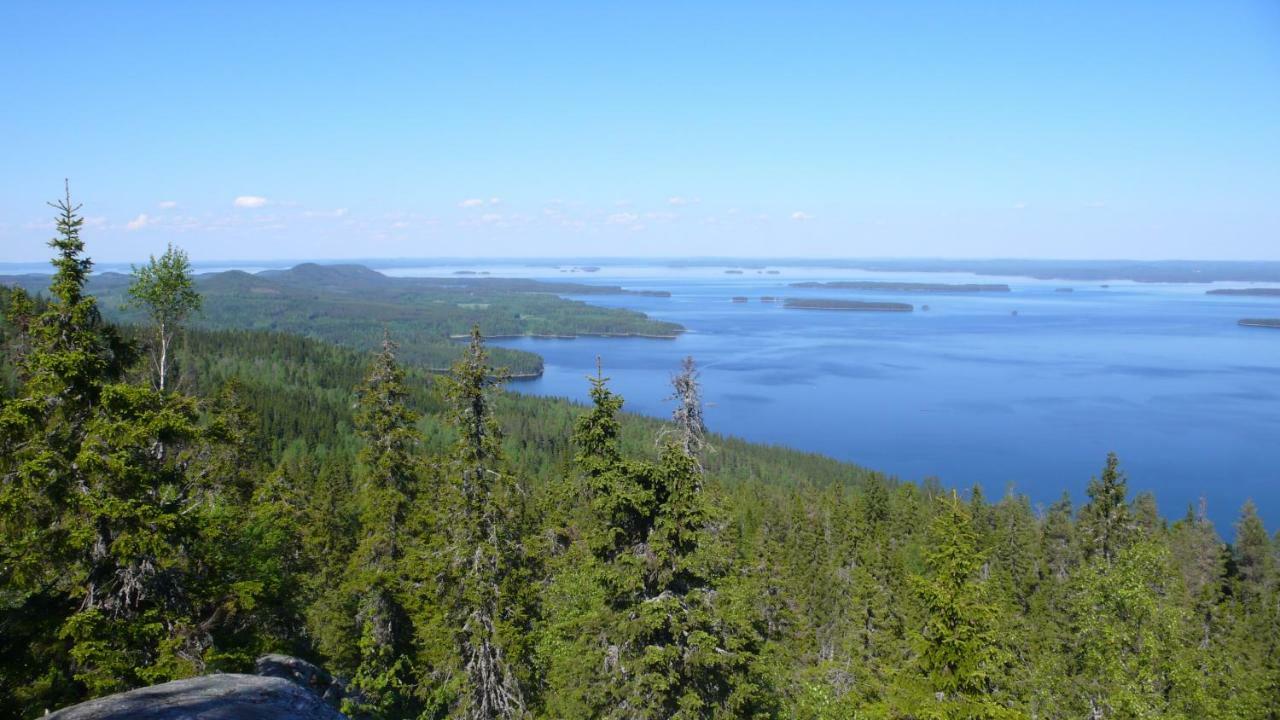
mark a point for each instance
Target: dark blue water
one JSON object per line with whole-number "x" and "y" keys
{"x": 967, "y": 392}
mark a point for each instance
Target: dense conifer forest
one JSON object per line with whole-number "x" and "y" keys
{"x": 452, "y": 551}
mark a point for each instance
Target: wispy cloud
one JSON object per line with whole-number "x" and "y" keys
{"x": 622, "y": 218}
{"x": 139, "y": 222}
{"x": 471, "y": 202}
{"x": 249, "y": 201}
{"x": 1019, "y": 206}
{"x": 801, "y": 216}
{"x": 334, "y": 213}
{"x": 681, "y": 200}
{"x": 167, "y": 204}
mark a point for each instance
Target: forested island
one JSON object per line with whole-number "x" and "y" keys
{"x": 1261, "y": 322}
{"x": 1246, "y": 292}
{"x": 178, "y": 501}
{"x": 850, "y": 305}
{"x": 916, "y": 287}
{"x": 352, "y": 304}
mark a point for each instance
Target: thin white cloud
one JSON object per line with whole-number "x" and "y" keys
{"x": 1019, "y": 206}
{"x": 139, "y": 222}
{"x": 494, "y": 200}
{"x": 622, "y": 218}
{"x": 167, "y": 204}
{"x": 801, "y": 216}
{"x": 334, "y": 213}
{"x": 471, "y": 202}
{"x": 1095, "y": 204}
{"x": 249, "y": 201}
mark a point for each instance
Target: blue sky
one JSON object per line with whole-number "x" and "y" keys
{"x": 330, "y": 130}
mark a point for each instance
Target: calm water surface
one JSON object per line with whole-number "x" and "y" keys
{"x": 967, "y": 391}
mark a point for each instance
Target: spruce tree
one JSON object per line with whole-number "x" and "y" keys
{"x": 685, "y": 650}
{"x": 1253, "y": 553}
{"x": 484, "y": 586}
{"x": 1106, "y": 523}
{"x": 960, "y": 663}
{"x": 389, "y": 472}
{"x": 108, "y": 490}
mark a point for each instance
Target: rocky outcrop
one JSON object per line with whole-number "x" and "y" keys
{"x": 300, "y": 672}
{"x": 223, "y": 696}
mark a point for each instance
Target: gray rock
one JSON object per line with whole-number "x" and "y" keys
{"x": 209, "y": 697}
{"x": 308, "y": 675}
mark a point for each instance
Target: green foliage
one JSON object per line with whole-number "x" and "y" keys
{"x": 352, "y": 305}
{"x": 164, "y": 290}
{"x": 483, "y": 590}
{"x": 466, "y": 553}
{"x": 961, "y": 664}
{"x": 1106, "y": 522}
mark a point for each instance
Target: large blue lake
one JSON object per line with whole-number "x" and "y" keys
{"x": 967, "y": 391}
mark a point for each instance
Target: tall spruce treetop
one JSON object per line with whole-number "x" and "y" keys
{"x": 468, "y": 391}
{"x": 164, "y": 288}
{"x": 385, "y": 423}
{"x": 1106, "y": 524}
{"x": 70, "y": 357}
{"x": 375, "y": 578}
{"x": 618, "y": 490}
{"x": 596, "y": 433}
{"x": 484, "y": 554}
{"x": 690, "y": 430}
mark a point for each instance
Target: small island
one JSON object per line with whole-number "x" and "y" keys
{"x": 904, "y": 286}
{"x": 1248, "y": 292}
{"x": 1261, "y": 322}
{"x": 740, "y": 298}
{"x": 1065, "y": 290}
{"x": 732, "y": 272}
{"x": 767, "y": 299}
{"x": 854, "y": 305}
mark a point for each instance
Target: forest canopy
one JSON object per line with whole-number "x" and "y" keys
{"x": 453, "y": 551}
